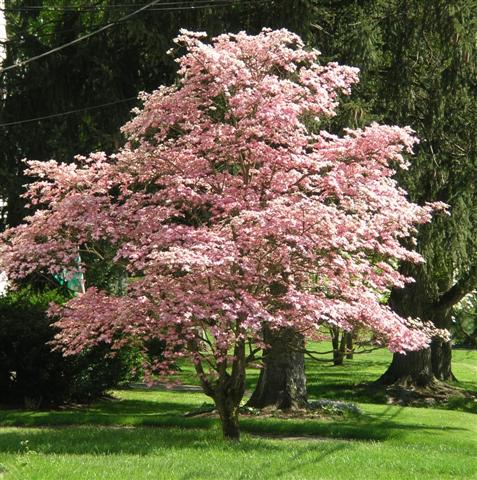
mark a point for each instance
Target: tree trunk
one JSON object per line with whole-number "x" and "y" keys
{"x": 421, "y": 368}
{"x": 339, "y": 346}
{"x": 411, "y": 369}
{"x": 441, "y": 358}
{"x": 342, "y": 347}
{"x": 282, "y": 381}
{"x": 413, "y": 301}
{"x": 228, "y": 411}
{"x": 349, "y": 345}
{"x": 227, "y": 389}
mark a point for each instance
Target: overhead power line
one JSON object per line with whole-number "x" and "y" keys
{"x": 162, "y": 6}
{"x": 192, "y": 5}
{"x": 97, "y": 6}
{"x": 69, "y": 112}
{"x": 148, "y": 6}
{"x": 197, "y": 4}
{"x": 79, "y": 39}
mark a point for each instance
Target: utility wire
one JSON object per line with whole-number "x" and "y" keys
{"x": 79, "y": 39}
{"x": 225, "y": 3}
{"x": 93, "y": 8}
{"x": 69, "y": 112}
{"x": 196, "y": 5}
{"x": 61, "y": 47}
{"x": 100, "y": 7}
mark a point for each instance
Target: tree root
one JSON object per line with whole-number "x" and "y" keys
{"x": 406, "y": 392}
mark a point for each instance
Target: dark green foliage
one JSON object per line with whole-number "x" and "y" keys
{"x": 418, "y": 62}
{"x": 429, "y": 82}
{"x": 109, "y": 67}
{"x": 33, "y": 375}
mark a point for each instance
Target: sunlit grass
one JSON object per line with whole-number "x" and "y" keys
{"x": 143, "y": 434}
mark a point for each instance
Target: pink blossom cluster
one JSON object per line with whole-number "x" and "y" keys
{"x": 229, "y": 213}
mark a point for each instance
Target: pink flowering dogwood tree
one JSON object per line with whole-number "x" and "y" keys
{"x": 229, "y": 214}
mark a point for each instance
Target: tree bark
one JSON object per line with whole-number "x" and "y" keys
{"x": 228, "y": 409}
{"x": 282, "y": 381}
{"x": 421, "y": 368}
{"x": 339, "y": 345}
{"x": 441, "y": 350}
{"x": 441, "y": 358}
{"x": 227, "y": 390}
{"x": 426, "y": 366}
{"x": 411, "y": 369}
{"x": 349, "y": 345}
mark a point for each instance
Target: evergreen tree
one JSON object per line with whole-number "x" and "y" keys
{"x": 418, "y": 67}
{"x": 430, "y": 83}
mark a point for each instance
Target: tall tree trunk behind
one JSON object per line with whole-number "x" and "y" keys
{"x": 339, "y": 345}
{"x": 423, "y": 367}
{"x": 282, "y": 381}
{"x": 441, "y": 351}
{"x": 349, "y": 344}
{"x": 426, "y": 366}
{"x": 441, "y": 358}
{"x": 411, "y": 369}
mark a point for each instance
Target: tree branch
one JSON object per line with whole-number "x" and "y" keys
{"x": 459, "y": 290}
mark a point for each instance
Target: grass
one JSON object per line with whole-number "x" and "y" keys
{"x": 143, "y": 434}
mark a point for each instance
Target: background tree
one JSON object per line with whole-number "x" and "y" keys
{"x": 417, "y": 62}
{"x": 107, "y": 68}
{"x": 417, "y": 65}
{"x": 429, "y": 82}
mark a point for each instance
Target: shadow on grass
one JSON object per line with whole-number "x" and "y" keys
{"x": 369, "y": 392}
{"x": 110, "y": 441}
{"x": 348, "y": 392}
{"x": 107, "y": 412}
{"x": 297, "y": 461}
{"x": 114, "y": 426}
{"x": 376, "y": 427}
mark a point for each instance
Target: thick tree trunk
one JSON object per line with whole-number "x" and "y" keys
{"x": 411, "y": 369}
{"x": 282, "y": 381}
{"x": 421, "y": 368}
{"x": 441, "y": 358}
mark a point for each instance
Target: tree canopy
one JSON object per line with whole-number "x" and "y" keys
{"x": 229, "y": 212}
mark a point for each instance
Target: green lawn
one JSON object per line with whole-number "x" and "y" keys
{"x": 143, "y": 434}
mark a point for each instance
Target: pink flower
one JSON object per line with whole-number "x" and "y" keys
{"x": 228, "y": 212}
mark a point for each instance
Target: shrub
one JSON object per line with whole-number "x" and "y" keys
{"x": 33, "y": 375}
